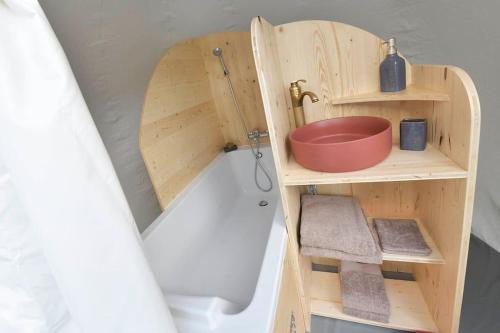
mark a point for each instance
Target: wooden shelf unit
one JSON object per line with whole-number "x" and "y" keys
{"x": 399, "y": 165}
{"x": 411, "y": 93}
{"x": 436, "y": 186}
{"x": 408, "y": 308}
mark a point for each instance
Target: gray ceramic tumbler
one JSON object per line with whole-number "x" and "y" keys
{"x": 413, "y": 134}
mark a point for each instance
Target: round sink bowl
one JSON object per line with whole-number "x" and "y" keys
{"x": 342, "y": 144}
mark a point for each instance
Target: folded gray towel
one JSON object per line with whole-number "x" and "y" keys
{"x": 363, "y": 291}
{"x": 401, "y": 236}
{"x": 335, "y": 227}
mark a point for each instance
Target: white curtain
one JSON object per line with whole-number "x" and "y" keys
{"x": 71, "y": 257}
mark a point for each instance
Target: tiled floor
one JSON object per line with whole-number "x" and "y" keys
{"x": 481, "y": 305}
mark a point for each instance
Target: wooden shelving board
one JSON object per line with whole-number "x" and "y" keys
{"x": 400, "y": 165}
{"x": 408, "y": 308}
{"x": 434, "y": 258}
{"x": 411, "y": 93}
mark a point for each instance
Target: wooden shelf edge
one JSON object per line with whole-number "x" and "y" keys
{"x": 411, "y": 93}
{"x": 409, "y": 311}
{"x": 434, "y": 258}
{"x": 398, "y": 166}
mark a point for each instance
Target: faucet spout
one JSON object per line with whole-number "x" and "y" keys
{"x": 297, "y": 97}
{"x": 314, "y": 98}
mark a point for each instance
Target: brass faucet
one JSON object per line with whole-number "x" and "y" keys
{"x": 298, "y": 101}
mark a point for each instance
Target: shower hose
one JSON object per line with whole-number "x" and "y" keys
{"x": 253, "y": 143}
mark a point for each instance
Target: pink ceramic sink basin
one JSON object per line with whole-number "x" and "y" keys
{"x": 342, "y": 144}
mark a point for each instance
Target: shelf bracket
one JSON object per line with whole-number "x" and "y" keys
{"x": 311, "y": 189}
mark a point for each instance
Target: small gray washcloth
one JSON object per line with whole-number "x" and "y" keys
{"x": 401, "y": 236}
{"x": 363, "y": 291}
{"x": 335, "y": 227}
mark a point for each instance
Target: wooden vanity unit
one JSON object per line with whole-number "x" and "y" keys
{"x": 435, "y": 186}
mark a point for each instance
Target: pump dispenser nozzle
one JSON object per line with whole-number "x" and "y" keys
{"x": 391, "y": 42}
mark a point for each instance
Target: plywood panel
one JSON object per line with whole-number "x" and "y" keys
{"x": 238, "y": 56}
{"x": 456, "y": 123}
{"x": 394, "y": 111}
{"x": 390, "y": 199}
{"x": 275, "y": 106}
{"x": 447, "y": 205}
{"x": 179, "y": 82}
{"x": 336, "y": 59}
{"x": 189, "y": 114}
{"x": 302, "y": 265}
{"x": 180, "y": 131}
{"x": 442, "y": 212}
{"x": 289, "y": 301}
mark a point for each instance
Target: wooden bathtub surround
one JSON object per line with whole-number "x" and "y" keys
{"x": 188, "y": 113}
{"x": 435, "y": 186}
{"x": 237, "y": 52}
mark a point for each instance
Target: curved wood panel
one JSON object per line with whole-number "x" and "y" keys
{"x": 337, "y": 60}
{"x": 447, "y": 206}
{"x": 189, "y": 114}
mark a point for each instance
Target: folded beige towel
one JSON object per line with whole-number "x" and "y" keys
{"x": 401, "y": 236}
{"x": 335, "y": 227}
{"x": 363, "y": 291}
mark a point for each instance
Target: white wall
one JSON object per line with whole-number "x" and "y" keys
{"x": 114, "y": 45}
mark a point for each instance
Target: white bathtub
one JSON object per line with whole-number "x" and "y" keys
{"x": 216, "y": 253}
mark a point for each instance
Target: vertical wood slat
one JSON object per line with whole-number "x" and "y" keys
{"x": 447, "y": 205}
{"x": 274, "y": 100}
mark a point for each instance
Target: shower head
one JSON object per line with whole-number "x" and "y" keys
{"x": 217, "y": 51}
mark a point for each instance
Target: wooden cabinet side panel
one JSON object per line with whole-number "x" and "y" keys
{"x": 446, "y": 206}
{"x": 441, "y": 209}
{"x": 456, "y": 123}
{"x": 289, "y": 301}
{"x": 275, "y": 106}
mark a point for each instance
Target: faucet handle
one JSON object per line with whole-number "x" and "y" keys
{"x": 296, "y": 83}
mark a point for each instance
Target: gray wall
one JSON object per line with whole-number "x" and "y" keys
{"x": 114, "y": 45}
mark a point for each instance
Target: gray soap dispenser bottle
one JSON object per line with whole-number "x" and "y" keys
{"x": 392, "y": 70}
